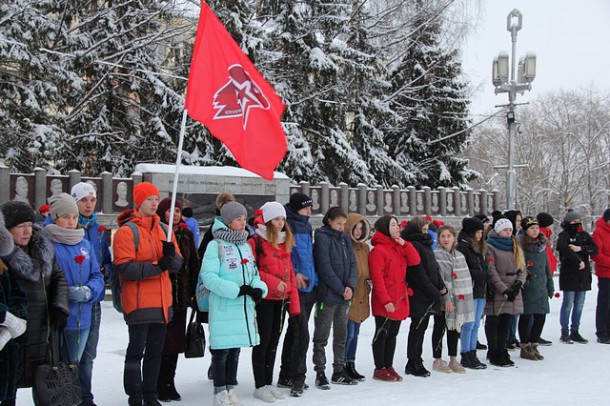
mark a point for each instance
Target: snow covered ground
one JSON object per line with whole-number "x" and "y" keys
{"x": 569, "y": 374}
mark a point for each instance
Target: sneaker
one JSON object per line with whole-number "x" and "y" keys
{"x": 322, "y": 381}
{"x": 481, "y": 346}
{"x": 603, "y": 340}
{"x": 235, "y": 401}
{"x": 565, "y": 339}
{"x": 297, "y": 390}
{"x": 342, "y": 378}
{"x": 222, "y": 399}
{"x": 263, "y": 394}
{"x": 543, "y": 342}
{"x": 440, "y": 365}
{"x": 275, "y": 392}
{"x": 284, "y": 383}
{"x": 416, "y": 368}
{"x": 577, "y": 338}
{"x": 393, "y": 372}
{"x": 382, "y": 374}
{"x": 455, "y": 366}
{"x": 510, "y": 346}
{"x": 475, "y": 360}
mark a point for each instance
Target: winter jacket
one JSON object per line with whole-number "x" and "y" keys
{"x": 360, "y": 308}
{"x": 503, "y": 273}
{"x": 570, "y": 277}
{"x": 275, "y": 266}
{"x": 77, "y": 275}
{"x": 388, "y": 263}
{"x": 476, "y": 265}
{"x": 146, "y": 289}
{"x": 538, "y": 287}
{"x": 335, "y": 264}
{"x": 425, "y": 282}
{"x": 99, "y": 237}
{"x": 232, "y": 318}
{"x": 601, "y": 237}
{"x": 12, "y": 300}
{"x": 550, "y": 254}
{"x": 44, "y": 285}
{"x": 192, "y": 225}
{"x": 302, "y": 252}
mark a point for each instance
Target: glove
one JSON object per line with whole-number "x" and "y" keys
{"x": 255, "y": 293}
{"x": 165, "y": 262}
{"x": 79, "y": 293}
{"x": 517, "y": 285}
{"x": 244, "y": 290}
{"x": 14, "y": 325}
{"x": 169, "y": 249}
{"x": 511, "y": 294}
{"x": 59, "y": 319}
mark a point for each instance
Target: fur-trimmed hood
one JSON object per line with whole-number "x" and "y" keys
{"x": 40, "y": 259}
{"x": 6, "y": 239}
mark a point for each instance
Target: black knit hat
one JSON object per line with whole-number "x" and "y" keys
{"x": 16, "y": 213}
{"x": 607, "y": 215}
{"x": 484, "y": 219}
{"x": 529, "y": 221}
{"x": 471, "y": 225}
{"x": 383, "y": 224}
{"x": 187, "y": 212}
{"x": 545, "y": 219}
{"x": 299, "y": 201}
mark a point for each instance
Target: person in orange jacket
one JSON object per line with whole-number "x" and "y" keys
{"x": 143, "y": 259}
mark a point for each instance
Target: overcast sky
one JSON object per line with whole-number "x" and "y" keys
{"x": 571, "y": 39}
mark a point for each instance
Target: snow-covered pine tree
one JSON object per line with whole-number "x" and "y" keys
{"x": 429, "y": 101}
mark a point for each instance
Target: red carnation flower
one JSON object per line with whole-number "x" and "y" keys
{"x": 101, "y": 229}
{"x": 454, "y": 275}
{"x": 529, "y": 263}
{"x": 245, "y": 261}
{"x": 461, "y": 297}
{"x": 403, "y": 224}
{"x": 491, "y": 260}
{"x": 79, "y": 259}
{"x": 409, "y": 291}
{"x": 183, "y": 225}
{"x": 557, "y": 294}
{"x": 580, "y": 229}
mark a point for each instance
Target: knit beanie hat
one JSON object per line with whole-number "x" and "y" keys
{"x": 44, "y": 208}
{"x": 272, "y": 210}
{"x": 607, "y": 215}
{"x": 503, "y": 224}
{"x": 222, "y": 199}
{"x": 61, "y": 205}
{"x": 383, "y": 225}
{"x": 571, "y": 215}
{"x": 187, "y": 212}
{"x": 16, "y": 213}
{"x": 299, "y": 201}
{"x": 484, "y": 219}
{"x": 81, "y": 190}
{"x": 471, "y": 225}
{"x": 545, "y": 219}
{"x": 164, "y": 205}
{"x": 143, "y": 191}
{"x": 529, "y": 221}
{"x": 230, "y": 211}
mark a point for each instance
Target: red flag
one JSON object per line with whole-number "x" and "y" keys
{"x": 233, "y": 100}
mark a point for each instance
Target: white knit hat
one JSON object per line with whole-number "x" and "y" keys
{"x": 82, "y": 190}
{"x": 503, "y": 224}
{"x": 272, "y": 210}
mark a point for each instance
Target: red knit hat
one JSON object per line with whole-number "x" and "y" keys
{"x": 143, "y": 191}
{"x": 44, "y": 208}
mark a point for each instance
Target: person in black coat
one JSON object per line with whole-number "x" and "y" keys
{"x": 429, "y": 292}
{"x": 575, "y": 247}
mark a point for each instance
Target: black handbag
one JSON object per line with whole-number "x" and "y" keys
{"x": 195, "y": 338}
{"x": 57, "y": 383}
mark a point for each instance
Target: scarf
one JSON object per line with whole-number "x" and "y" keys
{"x": 262, "y": 231}
{"x": 456, "y": 276}
{"x": 87, "y": 222}
{"x": 501, "y": 243}
{"x": 66, "y": 236}
{"x": 235, "y": 237}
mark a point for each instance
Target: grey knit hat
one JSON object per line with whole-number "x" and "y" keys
{"x": 61, "y": 205}
{"x": 231, "y": 210}
{"x": 571, "y": 215}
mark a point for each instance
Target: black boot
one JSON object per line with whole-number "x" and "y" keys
{"x": 466, "y": 361}
{"x": 476, "y": 361}
{"x": 165, "y": 383}
{"x": 350, "y": 369}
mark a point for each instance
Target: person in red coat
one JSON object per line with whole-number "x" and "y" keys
{"x": 388, "y": 262}
{"x": 271, "y": 245}
{"x": 601, "y": 237}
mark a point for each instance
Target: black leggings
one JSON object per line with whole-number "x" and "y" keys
{"x": 440, "y": 326}
{"x": 384, "y": 341}
{"x": 531, "y": 336}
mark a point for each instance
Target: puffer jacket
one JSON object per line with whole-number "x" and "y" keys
{"x": 302, "y": 252}
{"x": 275, "y": 266}
{"x": 476, "y": 265}
{"x": 570, "y": 277}
{"x": 85, "y": 274}
{"x": 388, "y": 263}
{"x": 146, "y": 293}
{"x": 232, "y": 318}
{"x": 335, "y": 263}
{"x": 538, "y": 287}
{"x": 360, "y": 308}
{"x": 44, "y": 285}
{"x": 99, "y": 237}
{"x": 601, "y": 237}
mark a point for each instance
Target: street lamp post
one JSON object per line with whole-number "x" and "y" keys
{"x": 521, "y": 78}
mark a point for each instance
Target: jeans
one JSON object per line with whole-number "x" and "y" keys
{"x": 327, "y": 316}
{"x": 470, "y": 330}
{"x": 573, "y": 302}
{"x": 269, "y": 318}
{"x": 85, "y": 368}
{"x": 351, "y": 344}
{"x": 72, "y": 344}
{"x": 384, "y": 341}
{"x": 140, "y": 378}
{"x": 296, "y": 341}
{"x": 225, "y": 368}
{"x": 602, "y": 311}
{"x": 530, "y": 327}
{"x": 512, "y": 329}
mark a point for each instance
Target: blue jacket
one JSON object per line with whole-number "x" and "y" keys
{"x": 85, "y": 274}
{"x": 232, "y": 318}
{"x": 336, "y": 265}
{"x": 302, "y": 252}
{"x": 192, "y": 224}
{"x": 99, "y": 242}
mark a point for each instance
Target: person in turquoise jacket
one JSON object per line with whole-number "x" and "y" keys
{"x": 230, "y": 274}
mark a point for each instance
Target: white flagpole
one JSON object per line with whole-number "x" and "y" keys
{"x": 175, "y": 186}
